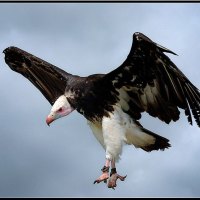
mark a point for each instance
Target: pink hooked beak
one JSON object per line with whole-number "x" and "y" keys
{"x": 49, "y": 119}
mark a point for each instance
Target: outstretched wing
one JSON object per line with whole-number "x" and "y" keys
{"x": 149, "y": 81}
{"x": 49, "y": 79}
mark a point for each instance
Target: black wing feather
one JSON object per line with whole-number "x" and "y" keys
{"x": 49, "y": 79}
{"x": 153, "y": 83}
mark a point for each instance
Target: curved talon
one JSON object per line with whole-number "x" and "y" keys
{"x": 96, "y": 181}
{"x": 122, "y": 178}
{"x": 103, "y": 178}
{"x": 112, "y": 183}
{"x": 105, "y": 181}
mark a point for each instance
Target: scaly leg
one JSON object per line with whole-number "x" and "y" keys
{"x": 112, "y": 183}
{"x": 105, "y": 173}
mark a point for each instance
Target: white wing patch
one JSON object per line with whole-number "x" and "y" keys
{"x": 123, "y": 98}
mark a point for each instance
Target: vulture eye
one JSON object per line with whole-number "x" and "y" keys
{"x": 60, "y": 109}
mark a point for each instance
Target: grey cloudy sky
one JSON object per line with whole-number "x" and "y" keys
{"x": 63, "y": 160}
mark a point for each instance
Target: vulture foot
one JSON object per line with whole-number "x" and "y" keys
{"x": 104, "y": 176}
{"x": 112, "y": 183}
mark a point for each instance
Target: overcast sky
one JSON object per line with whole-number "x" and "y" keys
{"x": 64, "y": 159}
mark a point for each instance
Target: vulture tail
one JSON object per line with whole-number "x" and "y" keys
{"x": 160, "y": 143}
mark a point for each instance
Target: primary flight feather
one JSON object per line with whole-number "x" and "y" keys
{"x": 147, "y": 81}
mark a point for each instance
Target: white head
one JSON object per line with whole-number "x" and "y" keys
{"x": 60, "y": 108}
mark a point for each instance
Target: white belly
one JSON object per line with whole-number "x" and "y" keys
{"x": 97, "y": 131}
{"x": 118, "y": 129}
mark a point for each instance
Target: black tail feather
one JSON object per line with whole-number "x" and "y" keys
{"x": 161, "y": 143}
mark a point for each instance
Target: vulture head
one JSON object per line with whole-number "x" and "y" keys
{"x": 60, "y": 108}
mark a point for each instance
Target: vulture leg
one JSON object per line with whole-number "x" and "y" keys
{"x": 112, "y": 182}
{"x": 105, "y": 173}
{"x": 112, "y": 135}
